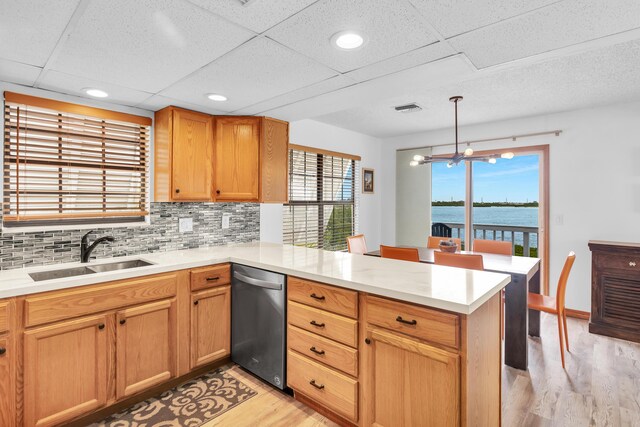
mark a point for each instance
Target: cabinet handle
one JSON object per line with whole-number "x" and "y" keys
{"x": 367, "y": 341}
{"x": 318, "y": 297}
{"x": 195, "y": 303}
{"x": 123, "y": 321}
{"x": 406, "y": 322}
{"x": 318, "y": 352}
{"x": 177, "y": 190}
{"x": 213, "y": 279}
{"x": 217, "y": 191}
{"x": 101, "y": 326}
{"x": 316, "y": 385}
{"x": 319, "y": 325}
{"x": 632, "y": 263}
{"x": 2, "y": 351}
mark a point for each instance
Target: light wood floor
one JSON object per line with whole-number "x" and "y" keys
{"x": 601, "y": 387}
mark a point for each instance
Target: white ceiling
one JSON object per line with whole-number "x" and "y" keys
{"x": 508, "y": 58}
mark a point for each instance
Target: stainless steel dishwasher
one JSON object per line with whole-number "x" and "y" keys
{"x": 258, "y": 323}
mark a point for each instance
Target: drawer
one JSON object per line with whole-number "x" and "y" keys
{"x": 323, "y": 350}
{"x": 626, "y": 262}
{"x": 419, "y": 322}
{"x": 208, "y": 277}
{"x": 330, "y": 325}
{"x": 323, "y": 385}
{"x": 4, "y": 316}
{"x": 330, "y": 298}
{"x": 57, "y": 305}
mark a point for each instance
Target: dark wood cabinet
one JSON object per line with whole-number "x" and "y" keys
{"x": 615, "y": 289}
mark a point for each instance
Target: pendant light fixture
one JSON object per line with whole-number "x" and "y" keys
{"x": 458, "y": 157}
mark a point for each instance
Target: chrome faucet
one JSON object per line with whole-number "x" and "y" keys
{"x": 85, "y": 249}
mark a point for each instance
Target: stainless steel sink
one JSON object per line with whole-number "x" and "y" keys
{"x": 132, "y": 263}
{"x": 59, "y": 274}
{"x": 90, "y": 269}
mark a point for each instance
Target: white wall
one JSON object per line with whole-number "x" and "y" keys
{"x": 594, "y": 180}
{"x": 319, "y": 135}
{"x": 413, "y": 199}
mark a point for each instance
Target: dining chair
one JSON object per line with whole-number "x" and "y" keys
{"x": 405, "y": 254}
{"x": 555, "y": 305}
{"x": 470, "y": 261}
{"x": 492, "y": 247}
{"x": 434, "y": 242}
{"x": 357, "y": 244}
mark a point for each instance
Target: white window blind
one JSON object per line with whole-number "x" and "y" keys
{"x": 322, "y": 209}
{"x": 67, "y": 163}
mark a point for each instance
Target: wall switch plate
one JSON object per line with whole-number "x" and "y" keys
{"x": 185, "y": 225}
{"x": 226, "y": 218}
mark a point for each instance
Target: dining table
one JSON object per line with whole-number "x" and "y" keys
{"x": 520, "y": 322}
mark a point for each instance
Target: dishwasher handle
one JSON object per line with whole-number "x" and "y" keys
{"x": 257, "y": 282}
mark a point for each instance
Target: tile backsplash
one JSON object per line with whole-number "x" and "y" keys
{"x": 161, "y": 235}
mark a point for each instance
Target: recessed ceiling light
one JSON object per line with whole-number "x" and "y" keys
{"x": 97, "y": 93}
{"x": 216, "y": 97}
{"x": 348, "y": 40}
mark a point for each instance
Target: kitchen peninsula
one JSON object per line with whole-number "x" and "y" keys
{"x": 400, "y": 340}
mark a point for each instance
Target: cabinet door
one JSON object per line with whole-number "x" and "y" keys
{"x": 7, "y": 390}
{"x": 408, "y": 383}
{"x": 210, "y": 325}
{"x": 145, "y": 346}
{"x": 192, "y": 156}
{"x": 237, "y": 153}
{"x": 274, "y": 161}
{"x": 65, "y": 370}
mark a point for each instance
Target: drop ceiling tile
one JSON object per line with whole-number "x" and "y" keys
{"x": 560, "y": 25}
{"x": 259, "y": 70}
{"x": 391, "y": 27}
{"x": 30, "y": 29}
{"x": 451, "y": 18}
{"x": 407, "y": 60}
{"x": 257, "y": 15}
{"x": 325, "y": 86}
{"x": 145, "y": 44}
{"x": 158, "y": 102}
{"x": 16, "y": 72}
{"x": 73, "y": 85}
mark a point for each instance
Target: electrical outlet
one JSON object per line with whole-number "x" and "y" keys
{"x": 185, "y": 225}
{"x": 226, "y": 218}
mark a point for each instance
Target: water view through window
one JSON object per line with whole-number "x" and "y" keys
{"x": 505, "y": 200}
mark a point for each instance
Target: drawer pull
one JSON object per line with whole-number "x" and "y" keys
{"x": 316, "y": 385}
{"x": 2, "y": 351}
{"x": 318, "y": 352}
{"x": 318, "y": 297}
{"x": 316, "y": 324}
{"x": 213, "y": 279}
{"x": 632, "y": 263}
{"x": 406, "y": 322}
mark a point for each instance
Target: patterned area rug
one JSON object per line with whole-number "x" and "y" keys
{"x": 189, "y": 405}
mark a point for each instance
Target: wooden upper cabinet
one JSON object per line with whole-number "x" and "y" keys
{"x": 146, "y": 343}
{"x": 237, "y": 158}
{"x": 251, "y": 159}
{"x": 183, "y": 152}
{"x": 65, "y": 370}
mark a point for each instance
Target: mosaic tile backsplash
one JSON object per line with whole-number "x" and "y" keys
{"x": 161, "y": 235}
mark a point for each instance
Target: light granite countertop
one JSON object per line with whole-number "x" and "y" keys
{"x": 446, "y": 288}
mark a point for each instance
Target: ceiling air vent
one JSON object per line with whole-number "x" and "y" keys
{"x": 245, "y": 2}
{"x": 408, "y": 108}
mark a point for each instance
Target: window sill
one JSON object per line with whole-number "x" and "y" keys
{"x": 36, "y": 229}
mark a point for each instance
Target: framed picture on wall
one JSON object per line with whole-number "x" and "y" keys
{"x": 367, "y": 180}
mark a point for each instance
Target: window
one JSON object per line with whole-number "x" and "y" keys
{"x": 323, "y": 201}
{"x": 68, "y": 164}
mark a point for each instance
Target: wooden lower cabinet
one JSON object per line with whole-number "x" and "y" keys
{"x": 408, "y": 383}
{"x": 146, "y": 346}
{"x": 210, "y": 325}
{"x": 7, "y": 383}
{"x": 65, "y": 370}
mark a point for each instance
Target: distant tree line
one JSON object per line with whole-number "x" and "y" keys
{"x": 533, "y": 204}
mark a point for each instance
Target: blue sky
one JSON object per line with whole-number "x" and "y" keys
{"x": 515, "y": 180}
